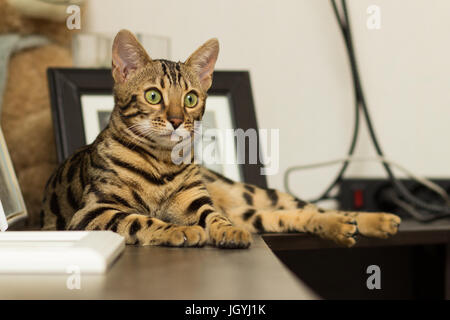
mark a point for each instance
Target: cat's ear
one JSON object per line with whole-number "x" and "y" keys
{"x": 127, "y": 55}
{"x": 203, "y": 61}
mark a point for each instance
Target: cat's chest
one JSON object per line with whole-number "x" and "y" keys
{"x": 165, "y": 187}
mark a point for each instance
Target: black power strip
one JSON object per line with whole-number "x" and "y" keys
{"x": 375, "y": 194}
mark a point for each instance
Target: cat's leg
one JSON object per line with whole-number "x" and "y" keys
{"x": 136, "y": 228}
{"x": 373, "y": 224}
{"x": 195, "y": 205}
{"x": 328, "y": 225}
{"x": 222, "y": 232}
{"x": 269, "y": 210}
{"x": 332, "y": 225}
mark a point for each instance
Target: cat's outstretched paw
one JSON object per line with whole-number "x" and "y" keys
{"x": 378, "y": 225}
{"x": 230, "y": 237}
{"x": 341, "y": 229}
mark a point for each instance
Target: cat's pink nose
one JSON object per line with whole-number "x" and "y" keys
{"x": 175, "y": 122}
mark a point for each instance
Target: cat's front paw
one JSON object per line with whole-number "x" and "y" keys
{"x": 378, "y": 225}
{"x": 339, "y": 228}
{"x": 185, "y": 236}
{"x": 230, "y": 237}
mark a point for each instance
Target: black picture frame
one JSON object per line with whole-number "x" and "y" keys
{"x": 67, "y": 85}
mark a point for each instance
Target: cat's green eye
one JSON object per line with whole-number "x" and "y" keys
{"x": 190, "y": 100}
{"x": 153, "y": 96}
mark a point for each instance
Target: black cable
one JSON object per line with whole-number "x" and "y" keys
{"x": 445, "y": 211}
{"x": 344, "y": 25}
{"x": 391, "y": 196}
{"x": 326, "y": 195}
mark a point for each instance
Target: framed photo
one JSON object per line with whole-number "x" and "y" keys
{"x": 82, "y": 102}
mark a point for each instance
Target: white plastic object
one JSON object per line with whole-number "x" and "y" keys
{"x": 58, "y": 251}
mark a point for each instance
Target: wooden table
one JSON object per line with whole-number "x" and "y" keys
{"x": 410, "y": 233}
{"x": 172, "y": 273}
{"x": 210, "y": 273}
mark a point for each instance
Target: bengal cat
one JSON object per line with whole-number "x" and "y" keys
{"x": 126, "y": 181}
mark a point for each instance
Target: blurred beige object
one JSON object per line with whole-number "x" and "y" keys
{"x": 54, "y": 10}
{"x": 93, "y": 50}
{"x": 26, "y": 119}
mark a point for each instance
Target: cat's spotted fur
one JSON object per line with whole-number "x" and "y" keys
{"x": 127, "y": 182}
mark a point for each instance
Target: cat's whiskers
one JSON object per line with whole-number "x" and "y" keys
{"x": 141, "y": 133}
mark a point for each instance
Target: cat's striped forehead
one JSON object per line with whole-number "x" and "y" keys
{"x": 172, "y": 74}
{"x": 166, "y": 75}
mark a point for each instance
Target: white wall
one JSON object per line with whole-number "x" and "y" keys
{"x": 301, "y": 79}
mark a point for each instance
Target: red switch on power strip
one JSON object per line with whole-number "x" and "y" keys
{"x": 358, "y": 199}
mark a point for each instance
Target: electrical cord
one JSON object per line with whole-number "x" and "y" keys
{"x": 391, "y": 195}
{"x": 397, "y": 184}
{"x": 360, "y": 102}
{"x": 422, "y": 180}
{"x": 338, "y": 179}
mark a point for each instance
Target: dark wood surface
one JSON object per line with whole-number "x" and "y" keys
{"x": 447, "y": 272}
{"x": 172, "y": 273}
{"x": 410, "y": 233}
{"x": 415, "y": 262}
